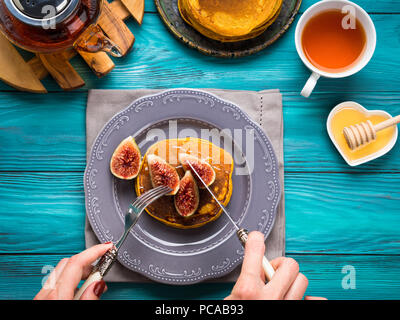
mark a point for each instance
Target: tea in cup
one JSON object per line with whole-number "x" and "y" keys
{"x": 334, "y": 39}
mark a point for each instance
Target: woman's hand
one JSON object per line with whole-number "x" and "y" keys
{"x": 64, "y": 279}
{"x": 287, "y": 283}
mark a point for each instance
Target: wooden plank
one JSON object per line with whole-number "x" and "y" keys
{"x": 325, "y": 213}
{"x": 100, "y": 63}
{"x": 161, "y": 61}
{"x": 375, "y": 278}
{"x": 63, "y": 119}
{"x": 119, "y": 9}
{"x": 323, "y": 210}
{"x": 15, "y": 71}
{"x": 116, "y": 29}
{"x": 136, "y": 8}
{"x": 50, "y": 140}
{"x": 62, "y": 71}
{"x": 303, "y": 153}
{"x": 246, "y": 73}
{"x": 61, "y": 222}
{"x": 40, "y": 70}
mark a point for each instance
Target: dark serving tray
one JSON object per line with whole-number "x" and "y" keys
{"x": 169, "y": 12}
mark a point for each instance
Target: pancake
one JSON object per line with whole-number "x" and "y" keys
{"x": 163, "y": 209}
{"x": 230, "y": 20}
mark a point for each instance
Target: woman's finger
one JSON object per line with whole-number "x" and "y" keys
{"x": 75, "y": 268}
{"x": 94, "y": 291}
{"x": 314, "y": 298}
{"x": 277, "y": 262}
{"x": 298, "y": 288}
{"x": 55, "y": 274}
{"x": 285, "y": 275}
{"x": 254, "y": 252}
{"x": 87, "y": 268}
{"x": 51, "y": 281}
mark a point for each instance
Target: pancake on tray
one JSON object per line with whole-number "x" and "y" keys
{"x": 172, "y": 152}
{"x": 230, "y": 20}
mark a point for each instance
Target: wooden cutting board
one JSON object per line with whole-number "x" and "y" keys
{"x": 26, "y": 75}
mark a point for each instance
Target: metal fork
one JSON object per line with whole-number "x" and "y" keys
{"x": 131, "y": 217}
{"x": 136, "y": 208}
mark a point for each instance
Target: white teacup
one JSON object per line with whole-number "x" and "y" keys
{"x": 370, "y": 33}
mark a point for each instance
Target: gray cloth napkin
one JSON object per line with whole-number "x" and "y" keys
{"x": 264, "y": 107}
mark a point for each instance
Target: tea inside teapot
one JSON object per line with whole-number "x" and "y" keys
{"x": 47, "y": 25}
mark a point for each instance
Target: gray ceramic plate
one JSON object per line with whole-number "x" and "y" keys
{"x": 163, "y": 253}
{"x": 169, "y": 12}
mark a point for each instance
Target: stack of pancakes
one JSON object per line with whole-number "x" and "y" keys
{"x": 164, "y": 209}
{"x": 230, "y": 20}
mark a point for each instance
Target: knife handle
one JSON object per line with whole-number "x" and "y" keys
{"x": 268, "y": 269}
{"x": 99, "y": 270}
{"x": 94, "y": 277}
{"x": 266, "y": 265}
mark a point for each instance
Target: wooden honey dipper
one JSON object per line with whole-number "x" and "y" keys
{"x": 365, "y": 132}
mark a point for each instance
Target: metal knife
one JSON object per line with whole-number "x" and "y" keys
{"x": 240, "y": 232}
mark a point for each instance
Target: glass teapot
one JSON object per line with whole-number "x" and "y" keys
{"x": 46, "y": 26}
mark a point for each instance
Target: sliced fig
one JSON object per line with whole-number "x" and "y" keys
{"x": 163, "y": 174}
{"x": 187, "y": 199}
{"x": 126, "y": 159}
{"x": 203, "y": 168}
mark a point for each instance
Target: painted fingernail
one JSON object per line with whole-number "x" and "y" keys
{"x": 108, "y": 242}
{"x": 99, "y": 288}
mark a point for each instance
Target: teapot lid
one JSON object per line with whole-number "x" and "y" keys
{"x": 41, "y": 12}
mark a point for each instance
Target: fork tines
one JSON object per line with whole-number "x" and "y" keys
{"x": 151, "y": 195}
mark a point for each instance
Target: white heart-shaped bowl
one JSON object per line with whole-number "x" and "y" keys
{"x": 372, "y": 156}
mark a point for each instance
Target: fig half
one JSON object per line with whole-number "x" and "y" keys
{"x": 126, "y": 159}
{"x": 203, "y": 168}
{"x": 163, "y": 174}
{"x": 187, "y": 199}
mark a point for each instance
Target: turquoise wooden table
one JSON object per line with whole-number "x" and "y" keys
{"x": 336, "y": 216}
